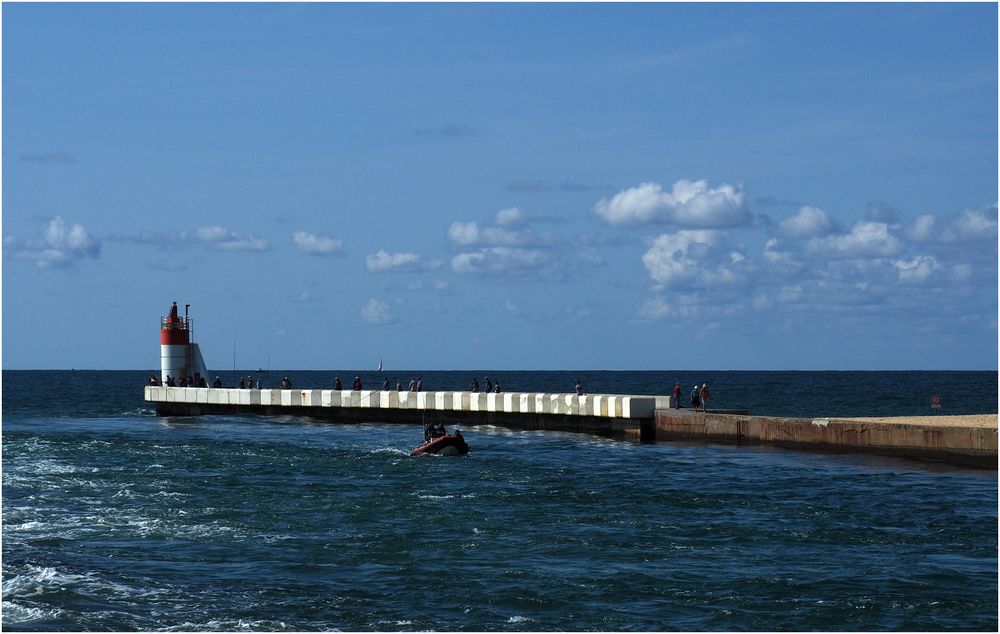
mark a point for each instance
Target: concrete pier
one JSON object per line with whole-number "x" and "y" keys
{"x": 595, "y": 413}
{"x": 956, "y": 444}
{"x": 646, "y": 416}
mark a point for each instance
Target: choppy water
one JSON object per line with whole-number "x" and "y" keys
{"x": 114, "y": 519}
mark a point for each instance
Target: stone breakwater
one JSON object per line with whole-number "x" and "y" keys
{"x": 969, "y": 440}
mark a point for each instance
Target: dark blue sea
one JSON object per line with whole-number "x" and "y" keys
{"x": 115, "y": 519}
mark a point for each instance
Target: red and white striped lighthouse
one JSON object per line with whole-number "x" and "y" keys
{"x": 179, "y": 356}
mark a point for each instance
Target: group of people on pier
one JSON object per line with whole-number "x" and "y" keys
{"x": 699, "y": 396}
{"x": 490, "y": 386}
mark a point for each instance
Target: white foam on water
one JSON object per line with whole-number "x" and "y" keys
{"x": 519, "y": 619}
{"x": 392, "y": 451}
{"x": 14, "y": 614}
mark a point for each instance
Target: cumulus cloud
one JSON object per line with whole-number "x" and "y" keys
{"x": 316, "y": 244}
{"x": 692, "y": 258}
{"x": 505, "y": 262}
{"x": 227, "y": 240}
{"x": 865, "y": 240}
{"x": 965, "y": 227}
{"x": 383, "y": 261}
{"x": 807, "y": 222}
{"x": 376, "y": 312}
{"x": 917, "y": 270}
{"x": 508, "y": 229}
{"x": 510, "y": 217}
{"x": 59, "y": 246}
{"x": 688, "y": 204}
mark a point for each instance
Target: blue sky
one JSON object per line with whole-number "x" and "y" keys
{"x": 502, "y": 186}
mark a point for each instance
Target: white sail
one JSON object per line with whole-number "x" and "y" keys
{"x": 379, "y": 369}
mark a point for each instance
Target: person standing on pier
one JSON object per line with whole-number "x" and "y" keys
{"x": 413, "y": 385}
{"x": 579, "y": 388}
{"x": 695, "y": 398}
{"x": 243, "y": 383}
{"x": 337, "y": 384}
{"x": 475, "y": 385}
{"x": 677, "y": 395}
{"x": 705, "y": 393}
{"x": 489, "y": 385}
{"x": 385, "y": 383}
{"x": 357, "y": 384}
{"x": 420, "y": 384}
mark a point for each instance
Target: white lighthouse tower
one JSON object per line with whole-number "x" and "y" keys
{"x": 179, "y": 355}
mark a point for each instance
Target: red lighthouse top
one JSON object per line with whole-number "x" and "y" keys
{"x": 175, "y": 330}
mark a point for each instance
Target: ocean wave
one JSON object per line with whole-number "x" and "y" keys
{"x": 519, "y": 619}
{"x": 16, "y": 614}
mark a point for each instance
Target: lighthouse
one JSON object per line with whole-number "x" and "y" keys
{"x": 179, "y": 355}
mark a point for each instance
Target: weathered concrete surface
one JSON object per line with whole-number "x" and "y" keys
{"x": 956, "y": 444}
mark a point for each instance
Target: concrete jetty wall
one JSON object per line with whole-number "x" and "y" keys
{"x": 601, "y": 413}
{"x": 955, "y": 444}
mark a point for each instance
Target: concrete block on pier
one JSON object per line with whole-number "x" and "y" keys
{"x": 542, "y": 404}
{"x": 508, "y": 403}
{"x": 424, "y": 400}
{"x": 244, "y": 396}
{"x": 201, "y": 396}
{"x": 267, "y": 397}
{"x": 523, "y": 404}
{"x": 439, "y": 399}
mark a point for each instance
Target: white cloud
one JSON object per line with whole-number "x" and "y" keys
{"x": 807, "y": 222}
{"x": 383, "y": 261}
{"x": 688, "y": 204}
{"x": 916, "y": 271}
{"x": 226, "y": 240}
{"x": 964, "y": 227}
{"x": 504, "y": 261}
{"x": 61, "y": 245}
{"x": 922, "y": 229}
{"x": 691, "y": 258}
{"x": 470, "y": 234}
{"x": 971, "y": 225}
{"x": 510, "y": 217}
{"x": 316, "y": 244}
{"x": 376, "y": 312}
{"x": 865, "y": 240}
{"x": 657, "y": 308}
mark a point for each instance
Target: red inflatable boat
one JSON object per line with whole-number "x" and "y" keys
{"x": 447, "y": 445}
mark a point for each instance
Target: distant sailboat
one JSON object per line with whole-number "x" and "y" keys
{"x": 379, "y": 368}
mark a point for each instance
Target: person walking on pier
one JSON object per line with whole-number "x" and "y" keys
{"x": 357, "y": 384}
{"x": 695, "y": 398}
{"x": 705, "y": 393}
{"x": 677, "y": 395}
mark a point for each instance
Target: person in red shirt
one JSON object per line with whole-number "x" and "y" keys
{"x": 677, "y": 395}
